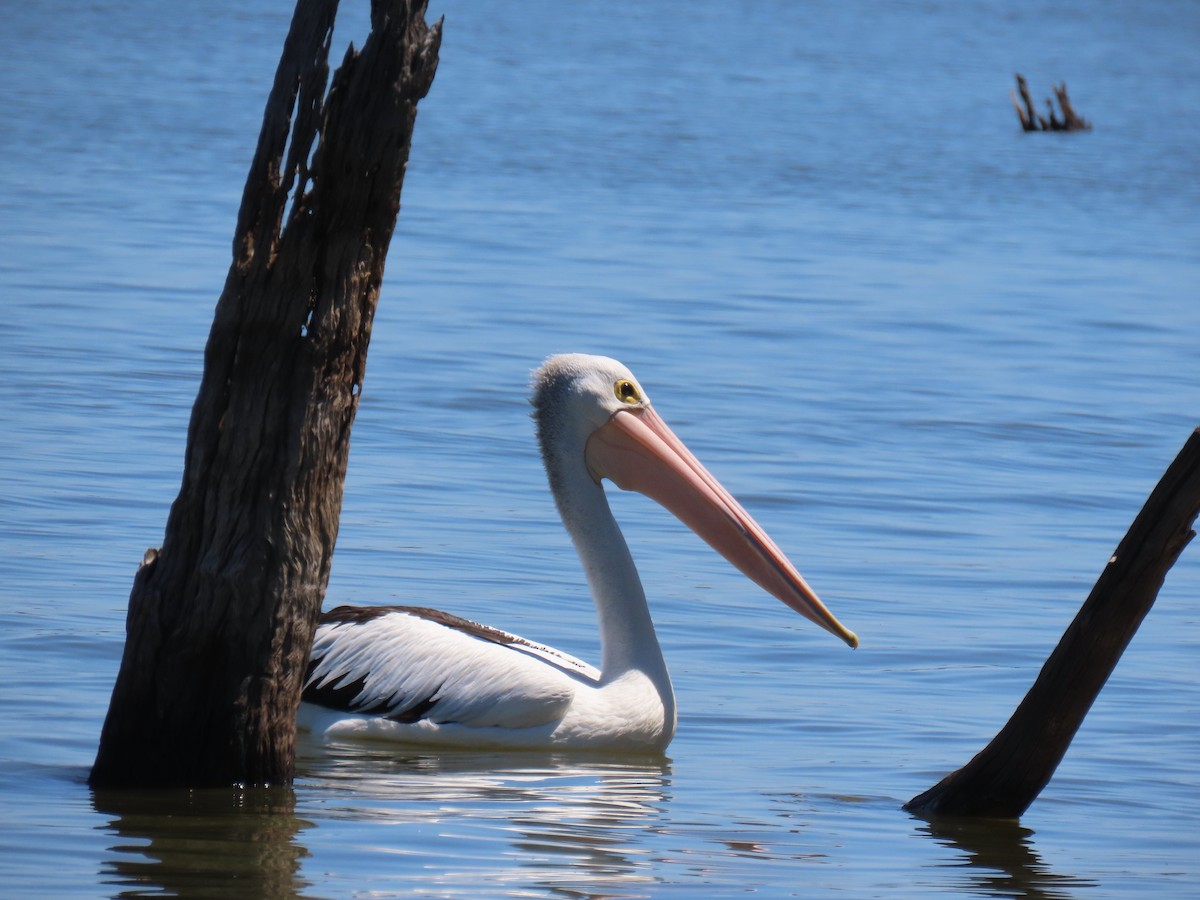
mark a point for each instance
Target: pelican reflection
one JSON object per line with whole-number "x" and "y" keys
{"x": 576, "y": 824}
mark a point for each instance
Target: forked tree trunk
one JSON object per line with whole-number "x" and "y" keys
{"x": 1008, "y": 774}
{"x": 221, "y": 618}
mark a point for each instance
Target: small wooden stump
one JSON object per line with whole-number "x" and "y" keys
{"x": 1031, "y": 121}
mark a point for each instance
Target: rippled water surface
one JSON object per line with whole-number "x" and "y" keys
{"x": 941, "y": 361}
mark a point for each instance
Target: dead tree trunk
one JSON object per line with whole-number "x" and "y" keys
{"x": 221, "y": 618}
{"x": 1008, "y": 774}
{"x": 1031, "y": 121}
{"x": 1071, "y": 121}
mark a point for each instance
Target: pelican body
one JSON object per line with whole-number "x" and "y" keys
{"x": 420, "y": 676}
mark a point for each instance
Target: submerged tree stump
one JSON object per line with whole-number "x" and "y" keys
{"x": 1032, "y": 121}
{"x": 1009, "y": 773}
{"x": 221, "y": 618}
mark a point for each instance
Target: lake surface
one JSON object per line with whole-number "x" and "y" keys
{"x": 941, "y": 361}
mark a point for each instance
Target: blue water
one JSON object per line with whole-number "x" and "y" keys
{"x": 941, "y": 361}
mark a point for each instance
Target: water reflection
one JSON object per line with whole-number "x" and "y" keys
{"x": 1000, "y": 859}
{"x": 575, "y": 825}
{"x": 210, "y": 843}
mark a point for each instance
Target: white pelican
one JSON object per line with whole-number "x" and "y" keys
{"x": 417, "y": 675}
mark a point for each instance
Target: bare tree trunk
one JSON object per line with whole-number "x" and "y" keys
{"x": 1031, "y": 121}
{"x": 221, "y": 618}
{"x": 1072, "y": 121}
{"x": 1008, "y": 774}
{"x": 1029, "y": 118}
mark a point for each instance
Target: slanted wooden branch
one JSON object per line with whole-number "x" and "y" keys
{"x": 1031, "y": 121}
{"x": 221, "y": 618}
{"x": 1009, "y": 773}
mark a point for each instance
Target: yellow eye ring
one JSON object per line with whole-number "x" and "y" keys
{"x": 627, "y": 391}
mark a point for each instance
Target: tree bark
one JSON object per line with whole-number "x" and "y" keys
{"x": 1009, "y": 773}
{"x": 221, "y": 618}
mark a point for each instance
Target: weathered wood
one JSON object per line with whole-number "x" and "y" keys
{"x": 221, "y": 618}
{"x": 1009, "y": 773}
{"x": 1070, "y": 121}
{"x": 1031, "y": 121}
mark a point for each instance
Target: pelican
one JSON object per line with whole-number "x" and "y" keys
{"x": 417, "y": 675}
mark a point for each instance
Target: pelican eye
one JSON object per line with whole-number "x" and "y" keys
{"x": 627, "y": 391}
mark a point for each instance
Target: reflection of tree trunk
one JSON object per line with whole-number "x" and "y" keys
{"x": 1001, "y": 861}
{"x": 1009, "y": 773}
{"x": 221, "y": 618}
{"x": 200, "y": 843}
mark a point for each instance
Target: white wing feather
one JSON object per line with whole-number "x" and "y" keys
{"x": 408, "y": 667}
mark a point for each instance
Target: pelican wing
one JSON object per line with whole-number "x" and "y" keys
{"x": 410, "y": 663}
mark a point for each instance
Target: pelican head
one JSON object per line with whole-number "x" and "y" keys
{"x": 595, "y": 422}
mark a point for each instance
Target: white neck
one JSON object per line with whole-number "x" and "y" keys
{"x": 628, "y": 641}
